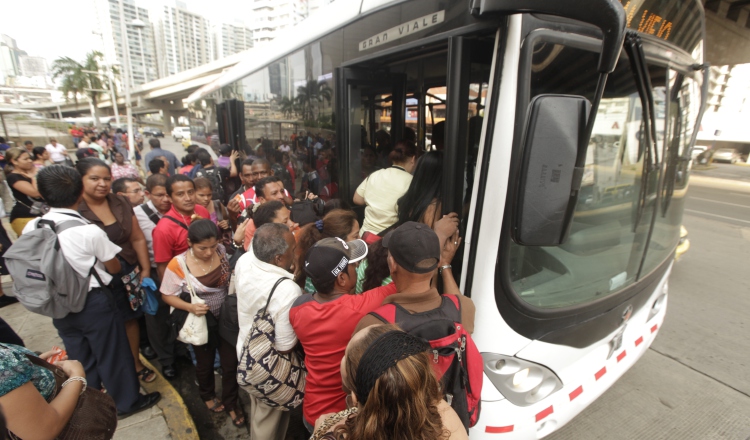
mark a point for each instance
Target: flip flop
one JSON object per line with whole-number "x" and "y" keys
{"x": 239, "y": 418}
{"x": 145, "y": 374}
{"x": 217, "y": 404}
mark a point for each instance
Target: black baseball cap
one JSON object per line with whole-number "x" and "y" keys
{"x": 330, "y": 256}
{"x": 414, "y": 246}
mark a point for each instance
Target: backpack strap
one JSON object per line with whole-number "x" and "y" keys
{"x": 183, "y": 225}
{"x": 217, "y": 210}
{"x": 150, "y": 213}
{"x": 449, "y": 302}
{"x": 385, "y": 313}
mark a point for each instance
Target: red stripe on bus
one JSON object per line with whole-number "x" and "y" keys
{"x": 545, "y": 413}
{"x": 600, "y": 373}
{"x": 622, "y": 355}
{"x": 639, "y": 341}
{"x": 654, "y": 328}
{"x": 575, "y": 393}
{"x": 498, "y": 429}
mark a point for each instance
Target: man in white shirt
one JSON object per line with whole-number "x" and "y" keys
{"x": 95, "y": 336}
{"x": 157, "y": 326}
{"x": 57, "y": 152}
{"x": 269, "y": 258}
{"x": 84, "y": 142}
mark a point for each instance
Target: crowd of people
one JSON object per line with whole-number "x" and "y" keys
{"x": 268, "y": 227}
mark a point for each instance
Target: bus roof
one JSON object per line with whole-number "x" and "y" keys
{"x": 335, "y": 15}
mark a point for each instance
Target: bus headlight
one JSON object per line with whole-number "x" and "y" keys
{"x": 522, "y": 382}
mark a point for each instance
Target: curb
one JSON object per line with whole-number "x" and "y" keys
{"x": 719, "y": 183}
{"x": 179, "y": 422}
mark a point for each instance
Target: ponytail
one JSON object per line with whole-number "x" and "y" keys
{"x": 403, "y": 151}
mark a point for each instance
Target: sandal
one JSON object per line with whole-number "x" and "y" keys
{"x": 238, "y": 419}
{"x": 146, "y": 375}
{"x": 218, "y": 406}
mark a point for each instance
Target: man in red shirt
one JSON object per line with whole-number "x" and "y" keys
{"x": 170, "y": 234}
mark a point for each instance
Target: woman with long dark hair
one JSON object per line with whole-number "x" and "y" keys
{"x": 115, "y": 216}
{"x": 204, "y": 266}
{"x": 392, "y": 392}
{"x": 421, "y": 203}
{"x": 21, "y": 177}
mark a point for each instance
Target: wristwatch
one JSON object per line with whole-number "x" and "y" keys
{"x": 442, "y": 268}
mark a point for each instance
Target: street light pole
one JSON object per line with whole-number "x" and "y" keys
{"x": 126, "y": 81}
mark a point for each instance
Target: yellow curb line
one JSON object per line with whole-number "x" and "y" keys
{"x": 180, "y": 423}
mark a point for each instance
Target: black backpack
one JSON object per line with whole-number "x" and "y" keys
{"x": 457, "y": 362}
{"x": 214, "y": 176}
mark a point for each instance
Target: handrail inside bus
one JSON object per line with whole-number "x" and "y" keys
{"x": 607, "y": 15}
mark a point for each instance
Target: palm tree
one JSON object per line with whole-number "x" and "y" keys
{"x": 310, "y": 94}
{"x": 287, "y": 106}
{"x": 76, "y": 79}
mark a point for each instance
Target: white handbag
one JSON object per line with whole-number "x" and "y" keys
{"x": 195, "y": 329}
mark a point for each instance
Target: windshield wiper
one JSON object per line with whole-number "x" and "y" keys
{"x": 634, "y": 48}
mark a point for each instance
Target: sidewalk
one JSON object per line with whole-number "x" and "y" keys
{"x": 168, "y": 420}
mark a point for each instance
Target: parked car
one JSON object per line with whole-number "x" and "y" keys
{"x": 727, "y": 155}
{"x": 697, "y": 150}
{"x": 180, "y": 132}
{"x": 153, "y": 132}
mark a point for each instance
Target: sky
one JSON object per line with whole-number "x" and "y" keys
{"x": 54, "y": 28}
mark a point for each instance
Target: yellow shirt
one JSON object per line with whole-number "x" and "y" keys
{"x": 381, "y": 191}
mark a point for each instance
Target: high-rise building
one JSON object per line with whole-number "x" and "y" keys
{"x": 314, "y": 5}
{"x": 184, "y": 40}
{"x": 140, "y": 40}
{"x": 10, "y": 63}
{"x": 33, "y": 66}
{"x": 231, "y": 38}
{"x": 272, "y": 16}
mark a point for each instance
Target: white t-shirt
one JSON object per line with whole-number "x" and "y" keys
{"x": 81, "y": 245}
{"x": 83, "y": 144}
{"x": 255, "y": 279}
{"x": 381, "y": 191}
{"x": 147, "y": 226}
{"x": 56, "y": 152}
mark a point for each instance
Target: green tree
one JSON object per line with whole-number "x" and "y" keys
{"x": 77, "y": 82}
{"x": 310, "y": 95}
{"x": 287, "y": 106}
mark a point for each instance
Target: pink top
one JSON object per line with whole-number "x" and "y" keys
{"x": 127, "y": 170}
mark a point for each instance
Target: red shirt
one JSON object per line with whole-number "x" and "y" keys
{"x": 324, "y": 329}
{"x": 170, "y": 239}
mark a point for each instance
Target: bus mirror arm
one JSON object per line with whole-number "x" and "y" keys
{"x": 608, "y": 15}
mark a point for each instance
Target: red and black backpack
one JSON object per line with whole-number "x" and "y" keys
{"x": 456, "y": 360}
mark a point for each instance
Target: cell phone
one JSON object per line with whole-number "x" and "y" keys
{"x": 57, "y": 357}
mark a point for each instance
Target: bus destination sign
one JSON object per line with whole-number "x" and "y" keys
{"x": 403, "y": 30}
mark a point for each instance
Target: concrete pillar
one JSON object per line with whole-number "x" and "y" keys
{"x": 167, "y": 126}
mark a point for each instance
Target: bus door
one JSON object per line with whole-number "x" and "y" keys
{"x": 367, "y": 100}
{"x": 434, "y": 97}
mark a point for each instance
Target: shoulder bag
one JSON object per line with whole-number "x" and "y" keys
{"x": 276, "y": 379}
{"x": 195, "y": 329}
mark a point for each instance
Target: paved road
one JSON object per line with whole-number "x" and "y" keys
{"x": 725, "y": 171}
{"x": 694, "y": 382}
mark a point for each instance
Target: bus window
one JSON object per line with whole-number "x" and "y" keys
{"x": 613, "y": 214}
{"x": 680, "y": 124}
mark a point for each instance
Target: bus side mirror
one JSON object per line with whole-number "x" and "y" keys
{"x": 549, "y": 178}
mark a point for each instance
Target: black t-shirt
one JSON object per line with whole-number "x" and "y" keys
{"x": 22, "y": 208}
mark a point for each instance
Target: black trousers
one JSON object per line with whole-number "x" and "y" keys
{"x": 96, "y": 337}
{"x": 158, "y": 330}
{"x": 204, "y": 371}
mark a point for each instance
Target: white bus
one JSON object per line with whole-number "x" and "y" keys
{"x": 570, "y": 226}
